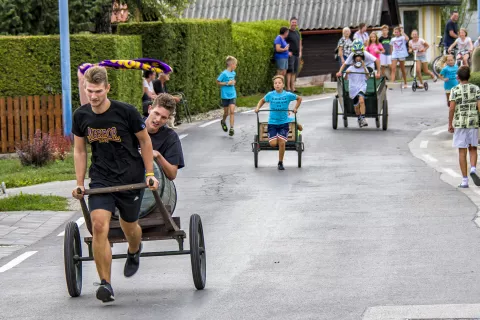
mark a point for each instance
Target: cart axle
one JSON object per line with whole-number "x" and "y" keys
{"x": 145, "y": 254}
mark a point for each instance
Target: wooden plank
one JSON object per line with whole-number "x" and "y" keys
{"x": 38, "y": 123}
{"x": 43, "y": 113}
{"x": 17, "y": 119}
{"x": 11, "y": 136}
{"x": 58, "y": 113}
{"x": 51, "y": 115}
{"x": 31, "y": 122}
{"x": 23, "y": 115}
{"x": 3, "y": 125}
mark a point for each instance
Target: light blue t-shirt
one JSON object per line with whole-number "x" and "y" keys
{"x": 279, "y": 101}
{"x": 227, "y": 92}
{"x": 280, "y": 55}
{"x": 450, "y": 72}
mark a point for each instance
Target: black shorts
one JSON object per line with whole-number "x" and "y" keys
{"x": 293, "y": 62}
{"x": 227, "y": 102}
{"x": 127, "y": 202}
{"x": 356, "y": 100}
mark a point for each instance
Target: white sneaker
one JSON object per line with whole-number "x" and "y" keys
{"x": 363, "y": 122}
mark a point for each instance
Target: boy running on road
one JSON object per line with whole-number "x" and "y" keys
{"x": 226, "y": 80}
{"x": 357, "y": 75}
{"x": 449, "y": 76}
{"x": 114, "y": 130}
{"x": 278, "y": 121}
{"x": 463, "y": 123}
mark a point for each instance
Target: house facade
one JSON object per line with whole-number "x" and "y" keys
{"x": 320, "y": 21}
{"x": 426, "y": 17}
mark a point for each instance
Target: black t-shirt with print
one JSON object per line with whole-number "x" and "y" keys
{"x": 385, "y": 41}
{"x": 115, "y": 156}
{"x": 167, "y": 142}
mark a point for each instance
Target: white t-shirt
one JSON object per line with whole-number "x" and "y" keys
{"x": 149, "y": 86}
{"x": 419, "y": 45}
{"x": 463, "y": 45}
{"x": 356, "y": 82}
{"x": 399, "y": 47}
{"x": 363, "y": 37}
{"x": 369, "y": 59}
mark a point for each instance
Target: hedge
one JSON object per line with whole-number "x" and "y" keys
{"x": 253, "y": 47}
{"x": 32, "y": 65}
{"x": 195, "y": 48}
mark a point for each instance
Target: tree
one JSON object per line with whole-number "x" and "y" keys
{"x": 464, "y": 14}
{"x": 41, "y": 16}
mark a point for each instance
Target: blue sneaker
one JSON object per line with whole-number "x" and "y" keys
{"x": 105, "y": 292}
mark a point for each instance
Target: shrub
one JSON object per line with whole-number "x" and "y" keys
{"x": 36, "y": 152}
{"x": 475, "y": 78}
{"x": 196, "y": 49}
{"x": 31, "y": 65}
{"x": 60, "y": 146}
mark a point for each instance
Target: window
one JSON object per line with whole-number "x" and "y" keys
{"x": 410, "y": 21}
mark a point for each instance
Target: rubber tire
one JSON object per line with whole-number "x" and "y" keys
{"x": 435, "y": 61}
{"x": 425, "y": 86}
{"x": 385, "y": 115}
{"x": 377, "y": 122}
{"x": 335, "y": 114}
{"x": 71, "y": 247}
{"x": 299, "y": 151}
{"x": 414, "y": 86}
{"x": 255, "y": 151}
{"x": 197, "y": 252}
{"x": 345, "y": 122}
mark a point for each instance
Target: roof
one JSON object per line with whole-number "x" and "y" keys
{"x": 429, "y": 2}
{"x": 312, "y": 14}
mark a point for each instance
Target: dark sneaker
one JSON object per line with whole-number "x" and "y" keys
{"x": 359, "y": 123}
{"x": 280, "y": 166}
{"x": 232, "y": 132}
{"x": 132, "y": 263}
{"x": 475, "y": 178}
{"x": 224, "y": 126}
{"x": 105, "y": 292}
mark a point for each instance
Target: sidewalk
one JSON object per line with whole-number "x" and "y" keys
{"x": 434, "y": 147}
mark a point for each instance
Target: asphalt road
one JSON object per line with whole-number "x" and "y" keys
{"x": 363, "y": 223}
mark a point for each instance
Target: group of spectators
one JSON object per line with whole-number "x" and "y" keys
{"x": 288, "y": 53}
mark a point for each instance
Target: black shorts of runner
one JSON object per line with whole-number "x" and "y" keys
{"x": 356, "y": 100}
{"x": 227, "y": 102}
{"x": 127, "y": 202}
{"x": 293, "y": 62}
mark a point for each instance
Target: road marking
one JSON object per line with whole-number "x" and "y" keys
{"x": 249, "y": 111}
{"x": 318, "y": 99}
{"x": 424, "y": 144}
{"x": 208, "y": 123}
{"x": 183, "y": 136}
{"x": 79, "y": 222}
{"x": 436, "y": 133}
{"x": 446, "y": 311}
{"x": 451, "y": 173}
{"x": 17, "y": 261}
{"x": 429, "y": 158}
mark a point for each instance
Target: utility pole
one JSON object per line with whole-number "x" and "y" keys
{"x": 65, "y": 67}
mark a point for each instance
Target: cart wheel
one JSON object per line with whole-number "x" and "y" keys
{"x": 73, "y": 269}
{"x": 197, "y": 252}
{"x": 377, "y": 122}
{"x": 299, "y": 151}
{"x": 335, "y": 114}
{"x": 345, "y": 122}
{"x": 414, "y": 86}
{"x": 385, "y": 115}
{"x": 425, "y": 86}
{"x": 255, "y": 150}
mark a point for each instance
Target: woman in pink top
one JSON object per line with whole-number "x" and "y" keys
{"x": 420, "y": 46}
{"x": 373, "y": 46}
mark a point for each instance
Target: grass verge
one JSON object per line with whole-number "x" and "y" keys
{"x": 15, "y": 175}
{"x": 25, "y": 202}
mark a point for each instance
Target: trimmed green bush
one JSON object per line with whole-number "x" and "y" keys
{"x": 195, "y": 48}
{"x": 475, "y": 78}
{"x": 253, "y": 47}
{"x": 31, "y": 65}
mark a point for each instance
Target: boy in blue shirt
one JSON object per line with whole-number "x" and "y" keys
{"x": 449, "y": 75}
{"x": 278, "y": 121}
{"x": 226, "y": 80}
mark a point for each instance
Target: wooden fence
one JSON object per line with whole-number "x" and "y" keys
{"x": 20, "y": 117}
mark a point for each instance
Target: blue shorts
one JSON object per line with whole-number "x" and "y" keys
{"x": 282, "y": 64}
{"x": 278, "y": 131}
{"x": 227, "y": 102}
